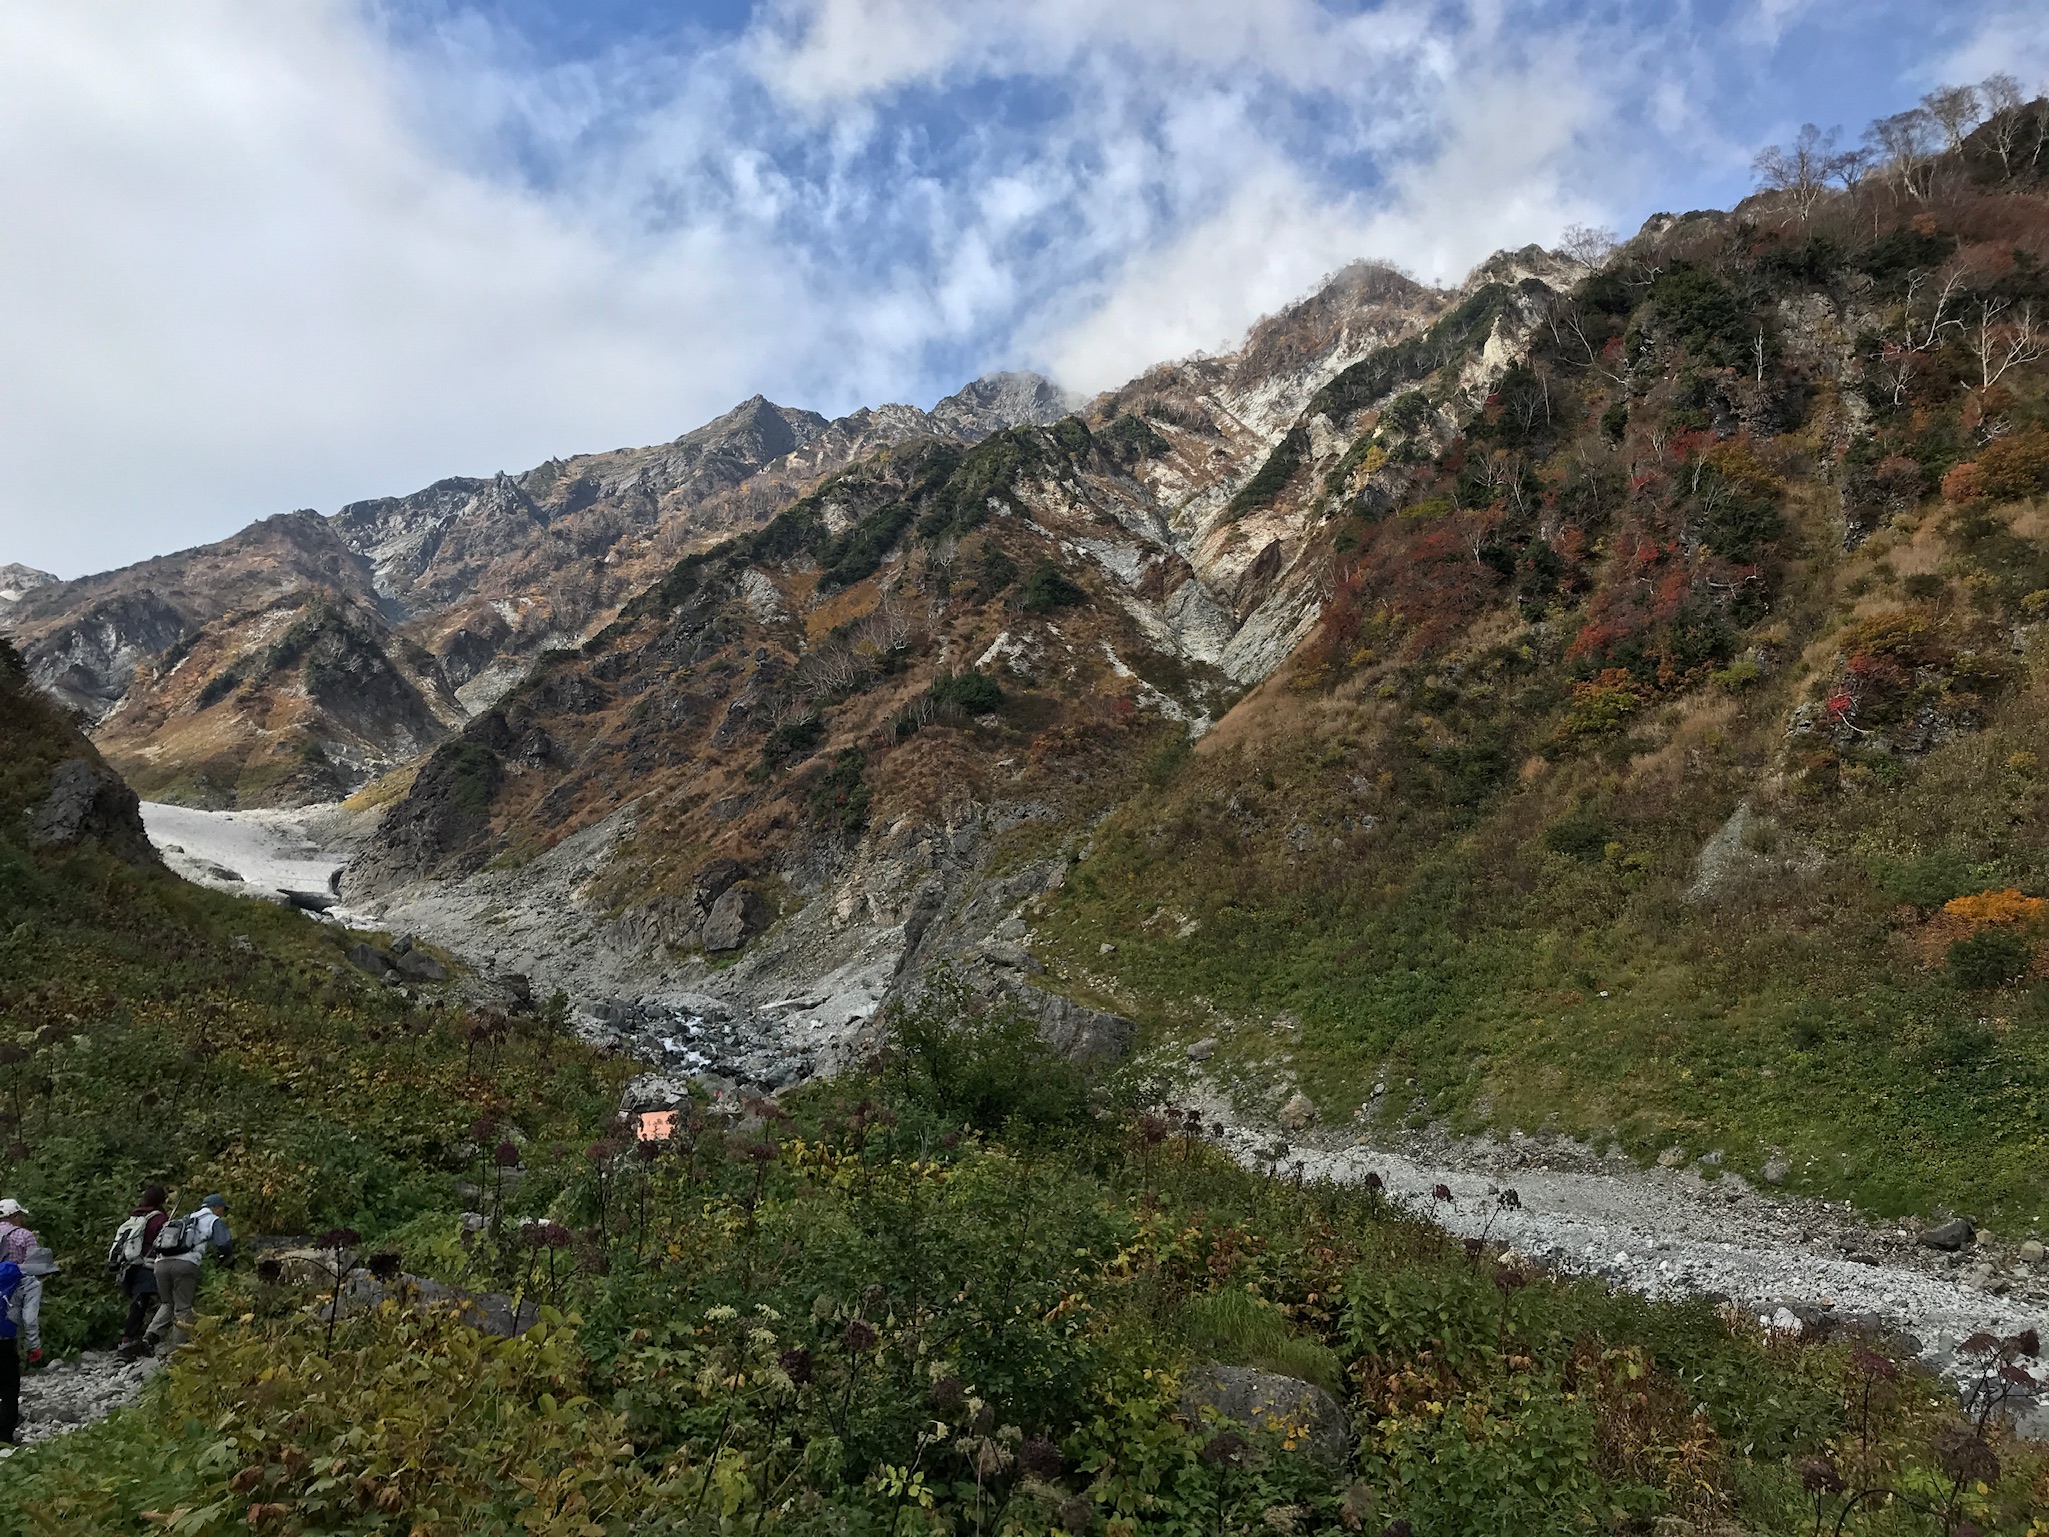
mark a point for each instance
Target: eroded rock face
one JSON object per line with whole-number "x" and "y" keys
{"x": 735, "y": 918}
{"x": 1297, "y": 1415}
{"x": 88, "y": 802}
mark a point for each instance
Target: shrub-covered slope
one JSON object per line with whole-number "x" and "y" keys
{"x": 957, "y": 1297}
{"x": 1667, "y": 764}
{"x": 153, "y": 1031}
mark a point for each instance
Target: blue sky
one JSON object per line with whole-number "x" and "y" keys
{"x": 266, "y": 256}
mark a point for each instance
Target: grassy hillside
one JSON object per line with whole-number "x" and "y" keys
{"x": 958, "y": 1298}
{"x": 962, "y": 1292}
{"x": 1662, "y": 726}
{"x": 150, "y": 1030}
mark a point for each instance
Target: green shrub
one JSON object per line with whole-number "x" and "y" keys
{"x": 971, "y": 1064}
{"x": 839, "y": 799}
{"x": 968, "y": 693}
{"x": 1048, "y": 588}
{"x": 793, "y": 742}
{"x": 1582, "y": 836}
{"x": 1928, "y": 880}
{"x": 1989, "y": 958}
{"x": 1132, "y": 439}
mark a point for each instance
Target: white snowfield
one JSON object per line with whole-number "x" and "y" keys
{"x": 254, "y": 853}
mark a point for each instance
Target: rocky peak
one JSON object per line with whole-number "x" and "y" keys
{"x": 1000, "y": 400}
{"x": 16, "y": 581}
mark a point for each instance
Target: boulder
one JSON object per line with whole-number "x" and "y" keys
{"x": 305, "y": 901}
{"x": 1950, "y": 1236}
{"x": 998, "y": 952}
{"x": 422, "y": 967}
{"x": 2032, "y": 1252}
{"x": 367, "y": 957}
{"x": 1776, "y": 1171}
{"x": 1299, "y": 1415}
{"x": 712, "y": 882}
{"x": 1298, "y": 1112}
{"x": 1076, "y": 1031}
{"x": 1203, "y": 1050}
{"x": 734, "y": 919}
{"x": 89, "y": 802}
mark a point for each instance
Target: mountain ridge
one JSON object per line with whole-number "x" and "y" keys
{"x": 479, "y": 574}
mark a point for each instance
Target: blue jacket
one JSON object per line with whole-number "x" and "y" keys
{"x": 10, "y": 1282}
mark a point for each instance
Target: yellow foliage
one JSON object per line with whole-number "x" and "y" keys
{"x": 1742, "y": 468}
{"x": 2007, "y": 906}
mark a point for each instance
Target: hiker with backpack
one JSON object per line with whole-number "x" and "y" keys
{"x": 129, "y": 1262}
{"x": 18, "y": 1245}
{"x": 10, "y": 1354}
{"x": 182, "y": 1245}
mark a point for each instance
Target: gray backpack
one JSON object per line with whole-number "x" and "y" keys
{"x": 178, "y": 1237}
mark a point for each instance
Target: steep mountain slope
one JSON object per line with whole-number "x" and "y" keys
{"x": 1665, "y": 764}
{"x": 825, "y": 717}
{"x": 1626, "y": 714}
{"x": 83, "y": 640}
{"x": 448, "y": 595}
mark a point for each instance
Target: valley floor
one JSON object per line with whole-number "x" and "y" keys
{"x": 1654, "y": 1231}
{"x": 1659, "y": 1232}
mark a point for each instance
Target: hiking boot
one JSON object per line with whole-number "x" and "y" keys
{"x": 35, "y": 1359}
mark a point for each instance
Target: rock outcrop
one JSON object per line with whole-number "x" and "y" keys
{"x": 1286, "y": 1412}
{"x": 88, "y": 803}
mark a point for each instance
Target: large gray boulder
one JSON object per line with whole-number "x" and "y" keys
{"x": 1951, "y": 1235}
{"x": 1076, "y": 1031}
{"x": 421, "y": 966}
{"x": 735, "y": 918}
{"x": 1296, "y": 1415}
{"x": 368, "y": 958}
{"x": 89, "y": 802}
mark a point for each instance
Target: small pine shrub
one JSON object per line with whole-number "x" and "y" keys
{"x": 1047, "y": 589}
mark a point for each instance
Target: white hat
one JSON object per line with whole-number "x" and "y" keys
{"x": 11, "y": 1208}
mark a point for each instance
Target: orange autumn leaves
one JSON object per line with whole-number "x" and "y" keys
{"x": 2004, "y": 909}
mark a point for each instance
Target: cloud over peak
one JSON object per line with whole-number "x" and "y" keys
{"x": 264, "y": 256}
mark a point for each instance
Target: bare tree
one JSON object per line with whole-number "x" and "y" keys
{"x": 2000, "y": 93}
{"x": 1921, "y": 332}
{"x": 1588, "y": 245}
{"x": 2003, "y": 100}
{"x": 1955, "y": 110}
{"x": 1924, "y": 319}
{"x": 1569, "y": 334}
{"x": 889, "y": 626}
{"x": 2003, "y": 340}
{"x": 1903, "y": 145}
{"x": 1802, "y": 171}
{"x": 1850, "y": 167}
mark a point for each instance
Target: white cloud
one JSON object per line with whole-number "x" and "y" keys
{"x": 232, "y": 281}
{"x": 1495, "y": 179}
{"x": 2010, "y": 39}
{"x": 263, "y": 255}
{"x": 1267, "y": 246}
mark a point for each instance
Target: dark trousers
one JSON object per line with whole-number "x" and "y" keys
{"x": 140, "y": 1287}
{"x": 10, "y": 1388}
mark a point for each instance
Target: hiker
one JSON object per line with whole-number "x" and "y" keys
{"x": 181, "y": 1249}
{"x": 18, "y": 1245}
{"x": 128, "y": 1262}
{"x": 10, "y": 1354}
